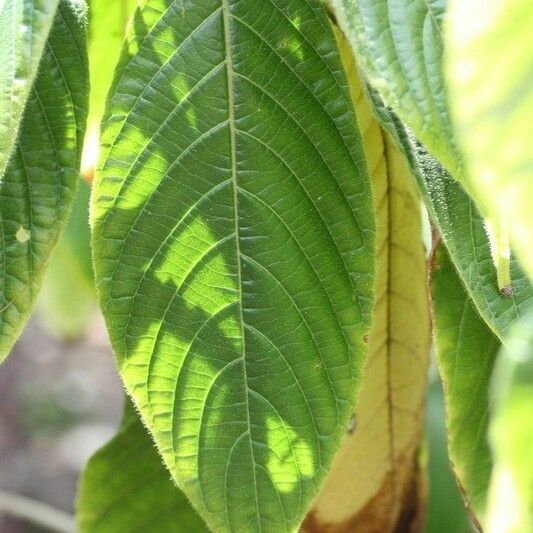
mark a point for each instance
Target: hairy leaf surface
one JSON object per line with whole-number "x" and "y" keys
{"x": 125, "y": 487}
{"x": 233, "y": 242}
{"x": 493, "y": 106}
{"x": 373, "y": 483}
{"x": 39, "y": 184}
{"x": 24, "y": 28}
{"x": 463, "y": 231}
{"x": 511, "y": 432}
{"x": 466, "y": 351}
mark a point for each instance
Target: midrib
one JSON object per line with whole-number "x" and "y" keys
{"x": 226, "y": 14}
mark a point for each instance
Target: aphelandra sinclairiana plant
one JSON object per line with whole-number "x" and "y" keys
{"x": 258, "y": 212}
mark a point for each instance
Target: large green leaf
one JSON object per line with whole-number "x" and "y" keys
{"x": 493, "y": 108}
{"x": 38, "y": 186}
{"x": 399, "y": 46}
{"x": 466, "y": 352}
{"x": 24, "y": 28}
{"x": 511, "y": 433}
{"x": 124, "y": 487}
{"x": 233, "y": 244}
{"x": 462, "y": 229}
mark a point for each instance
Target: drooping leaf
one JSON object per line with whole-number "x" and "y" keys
{"x": 68, "y": 297}
{"x": 125, "y": 487}
{"x": 38, "y": 187}
{"x": 463, "y": 231}
{"x": 492, "y": 107}
{"x": 107, "y": 27}
{"x": 399, "y": 47}
{"x": 375, "y": 479}
{"x": 233, "y": 240}
{"x": 511, "y": 432}
{"x": 24, "y": 28}
{"x": 466, "y": 351}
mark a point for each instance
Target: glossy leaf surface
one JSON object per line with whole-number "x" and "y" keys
{"x": 233, "y": 240}
{"x": 38, "y": 187}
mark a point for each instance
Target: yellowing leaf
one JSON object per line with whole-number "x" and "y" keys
{"x": 374, "y": 481}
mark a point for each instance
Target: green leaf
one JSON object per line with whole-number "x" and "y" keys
{"x": 466, "y": 352}
{"x": 68, "y": 297}
{"x": 38, "y": 186}
{"x": 24, "y": 28}
{"x": 463, "y": 231}
{"x": 492, "y": 107}
{"x": 233, "y": 236}
{"x": 511, "y": 433}
{"x": 399, "y": 46}
{"x": 124, "y": 487}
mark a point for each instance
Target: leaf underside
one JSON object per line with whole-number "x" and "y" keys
{"x": 233, "y": 239}
{"x": 38, "y": 187}
{"x": 466, "y": 351}
{"x": 373, "y": 483}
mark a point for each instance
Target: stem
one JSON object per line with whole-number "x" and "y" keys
{"x": 36, "y": 512}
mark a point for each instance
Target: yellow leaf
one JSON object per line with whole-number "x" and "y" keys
{"x": 375, "y": 482}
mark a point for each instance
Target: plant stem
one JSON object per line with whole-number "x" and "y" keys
{"x": 36, "y": 512}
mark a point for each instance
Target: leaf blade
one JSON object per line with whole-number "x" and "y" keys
{"x": 124, "y": 487}
{"x": 466, "y": 353}
{"x": 299, "y": 293}
{"x": 374, "y": 483}
{"x": 24, "y": 29}
{"x": 491, "y": 109}
{"x": 40, "y": 182}
{"x": 463, "y": 231}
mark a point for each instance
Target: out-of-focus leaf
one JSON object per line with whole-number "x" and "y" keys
{"x": 511, "y": 434}
{"x": 38, "y": 187}
{"x": 490, "y": 73}
{"x": 463, "y": 231}
{"x": 375, "y": 482}
{"x": 24, "y": 29}
{"x": 466, "y": 352}
{"x": 107, "y": 25}
{"x": 125, "y": 487}
{"x": 68, "y": 297}
{"x": 233, "y": 234}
